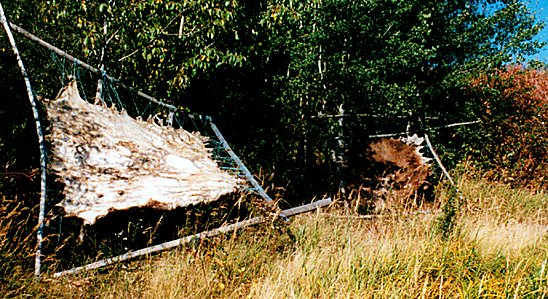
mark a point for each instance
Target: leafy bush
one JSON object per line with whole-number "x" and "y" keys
{"x": 514, "y": 141}
{"x": 265, "y": 70}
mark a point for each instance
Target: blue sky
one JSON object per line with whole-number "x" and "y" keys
{"x": 540, "y": 8}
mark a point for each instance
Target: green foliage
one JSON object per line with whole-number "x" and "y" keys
{"x": 153, "y": 44}
{"x": 446, "y": 222}
{"x": 15, "y": 120}
{"x": 512, "y": 143}
{"x": 264, "y": 69}
{"x": 389, "y": 58}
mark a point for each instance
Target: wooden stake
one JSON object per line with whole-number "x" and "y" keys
{"x": 438, "y": 160}
{"x": 41, "y": 142}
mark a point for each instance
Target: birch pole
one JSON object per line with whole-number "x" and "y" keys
{"x": 94, "y": 70}
{"x": 175, "y": 243}
{"x": 445, "y": 172}
{"x": 99, "y": 92}
{"x": 244, "y": 169}
{"x": 41, "y": 142}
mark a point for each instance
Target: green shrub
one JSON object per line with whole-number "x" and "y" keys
{"x": 513, "y": 143}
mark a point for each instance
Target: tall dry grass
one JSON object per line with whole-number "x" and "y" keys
{"x": 497, "y": 248}
{"x": 17, "y": 244}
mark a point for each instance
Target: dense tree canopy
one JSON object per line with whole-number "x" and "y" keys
{"x": 266, "y": 69}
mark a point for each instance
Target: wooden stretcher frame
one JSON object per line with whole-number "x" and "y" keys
{"x": 43, "y": 159}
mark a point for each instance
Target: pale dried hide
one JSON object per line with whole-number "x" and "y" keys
{"x": 109, "y": 161}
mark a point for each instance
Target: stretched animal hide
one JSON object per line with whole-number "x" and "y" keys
{"x": 109, "y": 161}
{"x": 407, "y": 170}
{"x": 391, "y": 170}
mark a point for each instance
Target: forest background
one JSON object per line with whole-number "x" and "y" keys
{"x": 266, "y": 70}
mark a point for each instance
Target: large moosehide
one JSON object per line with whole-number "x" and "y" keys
{"x": 109, "y": 161}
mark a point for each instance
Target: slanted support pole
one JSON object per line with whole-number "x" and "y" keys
{"x": 250, "y": 178}
{"x": 445, "y": 172}
{"x": 175, "y": 243}
{"x": 95, "y": 70}
{"x": 41, "y": 142}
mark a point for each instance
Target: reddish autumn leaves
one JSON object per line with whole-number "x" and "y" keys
{"x": 515, "y": 115}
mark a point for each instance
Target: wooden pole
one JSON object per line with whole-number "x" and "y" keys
{"x": 85, "y": 65}
{"x": 359, "y": 115}
{"x": 434, "y": 128}
{"x": 99, "y": 92}
{"x": 438, "y": 160}
{"x": 175, "y": 243}
{"x": 41, "y": 142}
{"x": 244, "y": 169}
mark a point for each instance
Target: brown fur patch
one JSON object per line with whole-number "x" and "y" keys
{"x": 393, "y": 172}
{"x": 406, "y": 171}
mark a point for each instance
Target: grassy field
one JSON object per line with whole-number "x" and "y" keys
{"x": 494, "y": 245}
